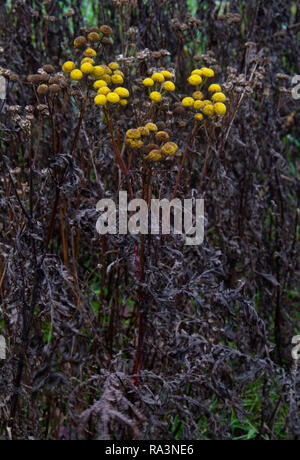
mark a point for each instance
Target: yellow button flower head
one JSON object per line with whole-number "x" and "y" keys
{"x": 148, "y": 82}
{"x": 207, "y": 102}
{"x": 208, "y": 109}
{"x": 197, "y": 72}
{"x": 220, "y": 108}
{"x": 89, "y": 52}
{"x": 98, "y": 71}
{"x": 143, "y": 130}
{"x": 199, "y": 104}
{"x": 166, "y": 74}
{"x": 133, "y": 134}
{"x": 195, "y": 80}
{"x": 158, "y": 76}
{"x": 123, "y": 102}
{"x": 119, "y": 72}
{"x": 100, "y": 99}
{"x": 214, "y": 88}
{"x": 187, "y": 102}
{"x": 106, "y": 78}
{"x": 169, "y": 86}
{"x": 169, "y": 148}
{"x": 197, "y": 95}
{"x": 117, "y": 79}
{"x": 87, "y": 59}
{"x": 94, "y": 37}
{"x": 136, "y": 144}
{"x": 154, "y": 155}
{"x": 122, "y": 92}
{"x": 219, "y": 97}
{"x": 113, "y": 97}
{"x": 99, "y": 83}
{"x": 68, "y": 66}
{"x": 206, "y": 72}
{"x": 198, "y": 116}
{"x": 108, "y": 70}
{"x": 76, "y": 74}
{"x": 104, "y": 90}
{"x": 113, "y": 65}
{"x": 155, "y": 96}
{"x": 152, "y": 127}
{"x": 86, "y": 68}
{"x": 162, "y": 136}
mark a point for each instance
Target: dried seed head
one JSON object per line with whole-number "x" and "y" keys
{"x": 105, "y": 30}
{"x": 54, "y": 89}
{"x": 34, "y": 78}
{"x": 94, "y": 29}
{"x": 105, "y": 41}
{"x": 43, "y": 90}
{"x": 13, "y": 77}
{"x": 48, "y": 68}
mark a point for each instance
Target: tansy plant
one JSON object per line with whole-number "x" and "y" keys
{"x": 146, "y": 147}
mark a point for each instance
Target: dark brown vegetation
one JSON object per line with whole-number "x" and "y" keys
{"x": 130, "y": 337}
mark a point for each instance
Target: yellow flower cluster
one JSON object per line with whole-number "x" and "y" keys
{"x": 108, "y": 76}
{"x": 102, "y": 76}
{"x": 207, "y": 107}
{"x": 158, "y": 146}
{"x": 161, "y": 83}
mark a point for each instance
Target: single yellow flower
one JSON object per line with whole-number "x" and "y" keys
{"x": 117, "y": 79}
{"x": 113, "y": 97}
{"x": 195, "y": 80}
{"x": 76, "y": 74}
{"x": 148, "y": 82}
{"x": 219, "y": 97}
{"x": 106, "y": 78}
{"x": 152, "y": 127}
{"x": 169, "y": 148}
{"x": 206, "y": 72}
{"x": 99, "y": 83}
{"x": 89, "y": 52}
{"x": 104, "y": 90}
{"x": 197, "y": 72}
{"x": 123, "y": 102}
{"x": 133, "y": 134}
{"x": 214, "y": 88}
{"x": 208, "y": 109}
{"x": 220, "y": 108}
{"x": 169, "y": 86}
{"x": 154, "y": 155}
{"x": 87, "y": 59}
{"x": 143, "y": 130}
{"x": 98, "y": 71}
{"x": 136, "y": 144}
{"x": 68, "y": 66}
{"x": 155, "y": 96}
{"x": 100, "y": 99}
{"x": 197, "y": 95}
{"x": 113, "y": 65}
{"x": 122, "y": 92}
{"x": 187, "y": 102}
{"x": 86, "y": 68}
{"x": 166, "y": 74}
{"x": 199, "y": 104}
{"x": 158, "y": 76}
{"x": 198, "y": 116}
